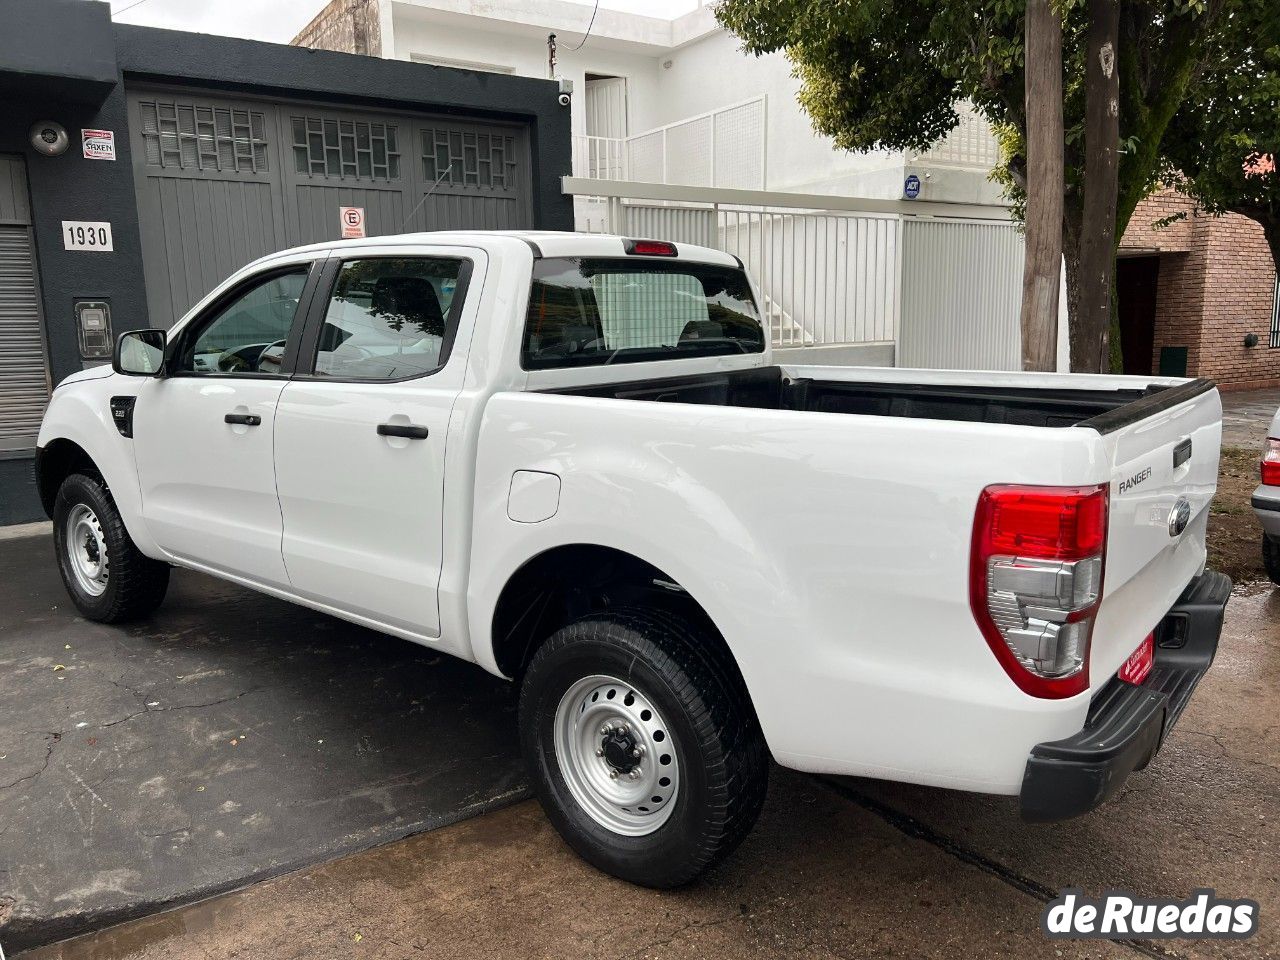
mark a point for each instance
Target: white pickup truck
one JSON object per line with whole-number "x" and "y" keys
{"x": 573, "y": 460}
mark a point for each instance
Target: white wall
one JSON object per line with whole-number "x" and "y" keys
{"x": 707, "y": 70}
{"x": 526, "y": 55}
{"x": 713, "y": 71}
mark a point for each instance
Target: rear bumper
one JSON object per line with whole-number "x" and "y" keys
{"x": 1126, "y": 723}
{"x": 1266, "y": 504}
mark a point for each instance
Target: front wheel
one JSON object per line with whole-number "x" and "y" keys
{"x": 109, "y": 579}
{"x": 643, "y": 748}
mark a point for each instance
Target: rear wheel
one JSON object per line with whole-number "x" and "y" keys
{"x": 643, "y": 748}
{"x": 1271, "y": 558}
{"x": 108, "y": 578}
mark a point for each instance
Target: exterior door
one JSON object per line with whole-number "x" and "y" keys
{"x": 1137, "y": 284}
{"x": 204, "y": 433}
{"x": 360, "y": 437}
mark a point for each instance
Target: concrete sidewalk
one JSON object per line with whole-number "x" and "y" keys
{"x": 231, "y": 737}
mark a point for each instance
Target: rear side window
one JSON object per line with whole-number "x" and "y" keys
{"x": 387, "y": 318}
{"x": 589, "y": 312}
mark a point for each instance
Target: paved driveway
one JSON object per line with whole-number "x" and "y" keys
{"x": 229, "y": 738}
{"x": 1246, "y": 414}
{"x": 846, "y": 870}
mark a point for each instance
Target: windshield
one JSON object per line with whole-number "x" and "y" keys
{"x": 592, "y": 311}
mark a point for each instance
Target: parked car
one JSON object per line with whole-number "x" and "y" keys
{"x": 573, "y": 460}
{"x": 1266, "y": 500}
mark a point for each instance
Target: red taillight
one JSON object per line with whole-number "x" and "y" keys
{"x": 1035, "y": 581}
{"x": 1271, "y": 462}
{"x": 649, "y": 248}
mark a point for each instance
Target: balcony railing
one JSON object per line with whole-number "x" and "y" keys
{"x": 722, "y": 148}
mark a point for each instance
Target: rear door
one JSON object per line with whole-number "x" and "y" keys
{"x": 1164, "y": 470}
{"x": 360, "y": 434}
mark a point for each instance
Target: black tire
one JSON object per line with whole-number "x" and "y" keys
{"x": 135, "y": 584}
{"x": 722, "y": 757}
{"x": 1271, "y": 558}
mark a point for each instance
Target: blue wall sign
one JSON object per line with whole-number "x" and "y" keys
{"x": 911, "y": 188}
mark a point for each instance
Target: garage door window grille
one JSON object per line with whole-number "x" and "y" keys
{"x": 347, "y": 149}
{"x": 468, "y": 159}
{"x": 1275, "y": 316}
{"x": 193, "y": 137}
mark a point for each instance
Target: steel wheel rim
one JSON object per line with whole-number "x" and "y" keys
{"x": 627, "y": 804}
{"x": 86, "y": 548}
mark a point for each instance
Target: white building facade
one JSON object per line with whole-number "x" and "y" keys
{"x": 664, "y": 100}
{"x": 873, "y": 257}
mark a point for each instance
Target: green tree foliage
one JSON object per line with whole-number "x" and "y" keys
{"x": 883, "y": 75}
{"x": 1225, "y": 140}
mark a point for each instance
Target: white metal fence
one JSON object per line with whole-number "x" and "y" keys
{"x": 723, "y": 148}
{"x": 940, "y": 281}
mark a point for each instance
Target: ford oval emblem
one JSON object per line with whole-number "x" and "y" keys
{"x": 1179, "y": 516}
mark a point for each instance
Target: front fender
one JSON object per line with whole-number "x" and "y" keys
{"x": 80, "y": 412}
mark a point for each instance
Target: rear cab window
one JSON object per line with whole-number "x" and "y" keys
{"x": 592, "y": 311}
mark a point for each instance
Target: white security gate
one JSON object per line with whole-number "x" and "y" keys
{"x": 24, "y": 368}
{"x": 939, "y": 283}
{"x": 961, "y": 295}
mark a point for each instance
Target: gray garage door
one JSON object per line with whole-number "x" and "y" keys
{"x": 222, "y": 181}
{"x": 24, "y": 372}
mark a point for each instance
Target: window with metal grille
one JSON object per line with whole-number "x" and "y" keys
{"x": 347, "y": 149}
{"x": 469, "y": 159}
{"x": 189, "y": 136}
{"x": 1275, "y": 315}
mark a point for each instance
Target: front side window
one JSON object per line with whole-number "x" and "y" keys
{"x": 387, "y": 318}
{"x": 248, "y": 334}
{"x": 594, "y": 311}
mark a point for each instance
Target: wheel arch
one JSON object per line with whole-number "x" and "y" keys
{"x": 55, "y": 461}
{"x": 565, "y": 582}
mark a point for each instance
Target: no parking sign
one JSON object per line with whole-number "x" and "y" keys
{"x": 352, "y": 220}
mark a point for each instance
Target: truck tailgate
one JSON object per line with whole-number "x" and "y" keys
{"x": 1163, "y": 453}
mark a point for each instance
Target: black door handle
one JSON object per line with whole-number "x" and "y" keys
{"x": 407, "y": 431}
{"x": 248, "y": 419}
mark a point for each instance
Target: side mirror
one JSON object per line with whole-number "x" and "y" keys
{"x": 139, "y": 353}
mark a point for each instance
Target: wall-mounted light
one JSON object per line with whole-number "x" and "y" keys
{"x": 1250, "y": 339}
{"x": 49, "y": 138}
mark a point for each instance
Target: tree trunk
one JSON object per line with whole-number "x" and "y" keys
{"x": 1040, "y": 279}
{"x": 1092, "y": 340}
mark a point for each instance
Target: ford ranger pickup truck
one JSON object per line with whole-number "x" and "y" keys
{"x": 574, "y": 461}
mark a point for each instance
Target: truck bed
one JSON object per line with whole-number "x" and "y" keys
{"x": 771, "y": 388}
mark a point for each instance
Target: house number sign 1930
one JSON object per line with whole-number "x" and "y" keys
{"x": 86, "y": 235}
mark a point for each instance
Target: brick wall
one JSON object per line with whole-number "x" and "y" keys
{"x": 1217, "y": 284}
{"x": 347, "y": 26}
{"x": 1144, "y": 231}
{"x": 1239, "y": 293}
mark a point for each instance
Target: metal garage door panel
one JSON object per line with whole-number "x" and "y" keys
{"x": 317, "y": 211}
{"x": 15, "y": 204}
{"x": 24, "y": 371}
{"x": 337, "y": 159}
{"x": 208, "y": 184}
{"x": 473, "y": 176}
{"x": 221, "y": 181}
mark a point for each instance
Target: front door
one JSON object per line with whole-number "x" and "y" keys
{"x": 360, "y": 438}
{"x": 204, "y": 433}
